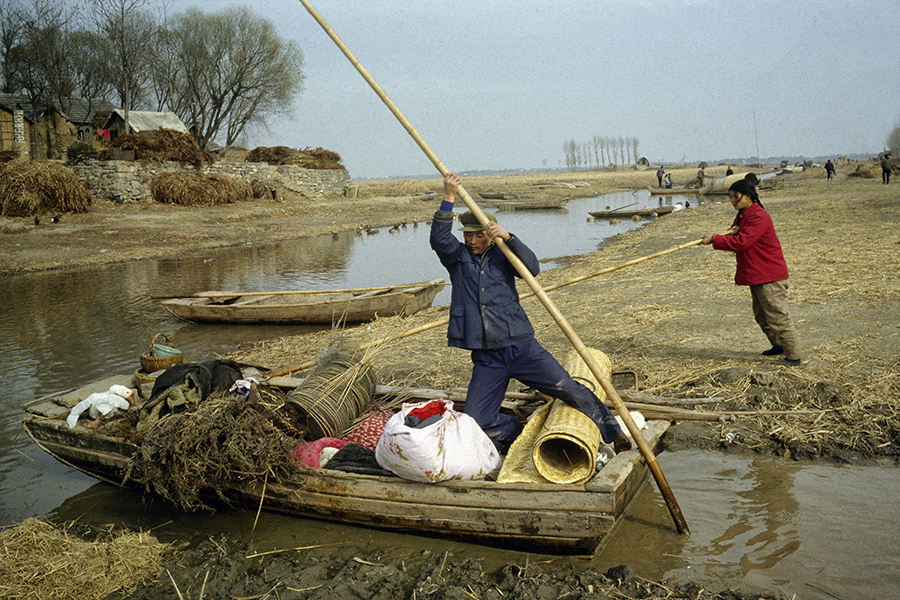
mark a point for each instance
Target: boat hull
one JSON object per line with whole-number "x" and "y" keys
{"x": 311, "y": 309}
{"x": 549, "y": 518}
{"x": 640, "y": 212}
{"x": 673, "y": 191}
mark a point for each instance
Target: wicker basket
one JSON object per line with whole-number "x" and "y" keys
{"x": 151, "y": 362}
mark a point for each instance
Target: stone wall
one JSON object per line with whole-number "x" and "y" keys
{"x": 125, "y": 181}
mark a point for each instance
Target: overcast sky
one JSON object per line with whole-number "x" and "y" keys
{"x": 504, "y": 84}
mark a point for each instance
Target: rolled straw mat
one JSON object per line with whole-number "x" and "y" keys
{"x": 559, "y": 444}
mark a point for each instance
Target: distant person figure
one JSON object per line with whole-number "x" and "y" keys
{"x": 829, "y": 170}
{"x": 761, "y": 266}
{"x": 886, "y": 169}
{"x": 660, "y": 172}
{"x": 668, "y": 180}
{"x": 730, "y": 171}
{"x": 701, "y": 176}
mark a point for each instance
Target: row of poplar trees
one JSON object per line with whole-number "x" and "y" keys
{"x": 601, "y": 151}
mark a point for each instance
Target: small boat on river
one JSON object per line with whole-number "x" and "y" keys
{"x": 304, "y": 307}
{"x": 525, "y": 204}
{"x": 655, "y": 191}
{"x": 544, "y": 517}
{"x": 641, "y": 212}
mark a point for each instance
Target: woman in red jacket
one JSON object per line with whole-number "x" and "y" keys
{"x": 761, "y": 266}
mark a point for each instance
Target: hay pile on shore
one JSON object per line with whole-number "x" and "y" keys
{"x": 308, "y": 158}
{"x": 162, "y": 145}
{"x": 40, "y": 561}
{"x": 189, "y": 189}
{"x": 32, "y": 187}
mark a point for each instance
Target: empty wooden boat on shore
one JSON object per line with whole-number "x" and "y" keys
{"x": 304, "y": 307}
{"x": 641, "y": 212}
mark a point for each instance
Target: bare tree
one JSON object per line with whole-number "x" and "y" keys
{"x": 128, "y": 29}
{"x": 570, "y": 150}
{"x": 90, "y": 58}
{"x": 12, "y": 26}
{"x": 234, "y": 70}
{"x": 634, "y": 149}
{"x": 34, "y": 62}
{"x": 893, "y": 141}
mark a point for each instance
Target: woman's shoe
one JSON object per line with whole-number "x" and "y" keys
{"x": 773, "y": 351}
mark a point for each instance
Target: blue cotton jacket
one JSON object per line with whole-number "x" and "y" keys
{"x": 484, "y": 303}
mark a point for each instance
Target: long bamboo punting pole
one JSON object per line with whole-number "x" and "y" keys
{"x": 587, "y": 356}
{"x": 445, "y": 320}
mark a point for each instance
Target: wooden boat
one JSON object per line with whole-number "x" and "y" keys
{"x": 641, "y": 212}
{"x": 655, "y": 191}
{"x": 544, "y": 517}
{"x": 312, "y": 307}
{"x": 543, "y": 204}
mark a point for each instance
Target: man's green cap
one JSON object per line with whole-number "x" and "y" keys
{"x": 470, "y": 223}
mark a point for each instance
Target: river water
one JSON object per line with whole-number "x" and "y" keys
{"x": 817, "y": 531}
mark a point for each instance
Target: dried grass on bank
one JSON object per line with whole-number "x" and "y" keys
{"x": 189, "y": 189}
{"x": 164, "y": 145}
{"x": 33, "y": 187}
{"x": 41, "y": 561}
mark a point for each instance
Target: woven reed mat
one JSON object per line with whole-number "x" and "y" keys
{"x": 559, "y": 444}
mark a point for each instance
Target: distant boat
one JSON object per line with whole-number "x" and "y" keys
{"x": 641, "y": 212}
{"x": 543, "y": 204}
{"x": 304, "y": 307}
{"x": 655, "y": 191}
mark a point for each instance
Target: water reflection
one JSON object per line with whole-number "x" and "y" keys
{"x": 767, "y": 524}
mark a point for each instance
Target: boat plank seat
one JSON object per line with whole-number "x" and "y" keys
{"x": 252, "y": 300}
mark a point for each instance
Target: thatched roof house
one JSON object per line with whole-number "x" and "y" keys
{"x": 139, "y": 120}
{"x": 47, "y": 130}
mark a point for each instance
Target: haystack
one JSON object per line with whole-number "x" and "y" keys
{"x": 317, "y": 158}
{"x": 41, "y": 560}
{"x": 164, "y": 145}
{"x": 191, "y": 189}
{"x": 866, "y": 171}
{"x": 32, "y": 187}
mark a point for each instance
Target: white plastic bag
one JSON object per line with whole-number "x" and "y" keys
{"x": 452, "y": 447}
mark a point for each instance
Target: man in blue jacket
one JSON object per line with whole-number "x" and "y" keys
{"x": 487, "y": 319}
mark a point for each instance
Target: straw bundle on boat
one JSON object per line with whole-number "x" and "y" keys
{"x": 334, "y": 394}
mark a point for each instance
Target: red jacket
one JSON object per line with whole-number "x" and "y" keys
{"x": 758, "y": 251}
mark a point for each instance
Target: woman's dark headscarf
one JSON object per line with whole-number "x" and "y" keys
{"x": 745, "y": 186}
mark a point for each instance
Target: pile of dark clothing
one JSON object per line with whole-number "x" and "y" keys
{"x": 186, "y": 384}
